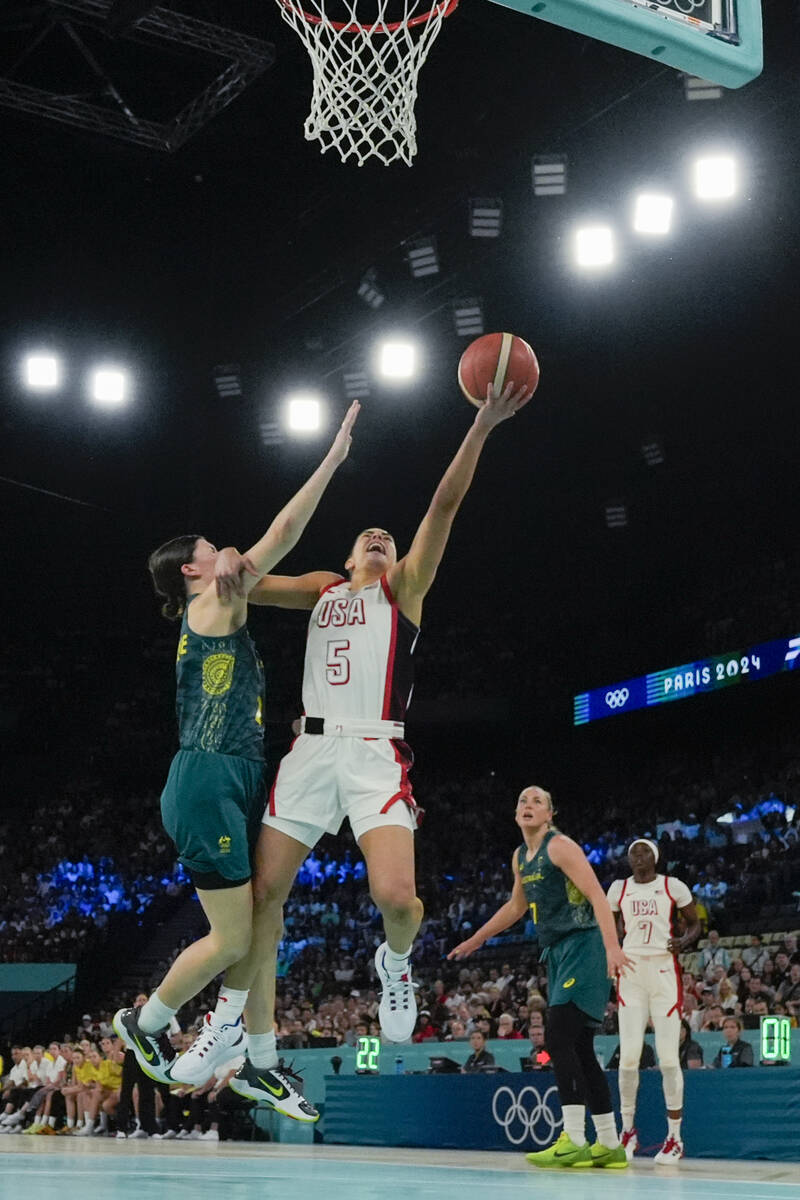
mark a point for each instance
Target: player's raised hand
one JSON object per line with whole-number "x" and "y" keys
{"x": 499, "y": 408}
{"x": 341, "y": 443}
{"x": 618, "y": 962}
{"x": 464, "y": 949}
{"x": 229, "y": 570}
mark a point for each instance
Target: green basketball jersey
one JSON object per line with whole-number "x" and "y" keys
{"x": 556, "y": 905}
{"x": 220, "y": 696}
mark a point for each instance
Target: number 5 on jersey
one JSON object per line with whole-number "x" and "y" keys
{"x": 337, "y": 663}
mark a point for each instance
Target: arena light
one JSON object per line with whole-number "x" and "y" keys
{"x": 485, "y": 218}
{"x": 468, "y": 317}
{"x": 695, "y": 88}
{"x": 423, "y": 257}
{"x": 549, "y": 174}
{"x": 397, "y": 360}
{"x": 228, "y": 381}
{"x": 715, "y": 177}
{"x": 356, "y": 383}
{"x": 109, "y": 387}
{"x": 652, "y": 452}
{"x": 369, "y": 289}
{"x": 594, "y": 246}
{"x": 42, "y": 372}
{"x": 652, "y": 213}
{"x": 271, "y": 433}
{"x": 616, "y": 513}
{"x": 304, "y": 412}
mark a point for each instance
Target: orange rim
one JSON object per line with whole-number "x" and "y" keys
{"x": 445, "y": 9}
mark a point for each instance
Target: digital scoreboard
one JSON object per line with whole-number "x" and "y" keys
{"x": 776, "y": 1040}
{"x": 690, "y": 679}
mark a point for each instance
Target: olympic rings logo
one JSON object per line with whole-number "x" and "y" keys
{"x": 521, "y": 1116}
{"x": 618, "y": 698}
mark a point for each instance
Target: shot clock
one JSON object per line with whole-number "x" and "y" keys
{"x": 776, "y": 1040}
{"x": 368, "y": 1052}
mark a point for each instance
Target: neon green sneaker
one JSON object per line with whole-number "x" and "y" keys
{"x": 563, "y": 1153}
{"x": 34, "y": 1128}
{"x": 615, "y": 1160}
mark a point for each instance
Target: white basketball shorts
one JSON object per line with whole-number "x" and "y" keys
{"x": 323, "y": 779}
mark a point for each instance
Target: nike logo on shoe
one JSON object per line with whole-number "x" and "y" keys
{"x": 148, "y": 1054}
{"x": 278, "y": 1092}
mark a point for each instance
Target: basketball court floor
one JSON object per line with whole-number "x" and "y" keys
{"x": 107, "y": 1170}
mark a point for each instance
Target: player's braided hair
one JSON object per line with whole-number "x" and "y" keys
{"x": 164, "y": 565}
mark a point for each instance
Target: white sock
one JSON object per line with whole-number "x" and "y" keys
{"x": 89, "y": 1123}
{"x": 51, "y": 1121}
{"x": 575, "y": 1122}
{"x": 674, "y": 1127}
{"x": 262, "y": 1050}
{"x": 230, "y": 1005}
{"x": 70, "y": 1122}
{"x": 606, "y": 1129}
{"x": 154, "y": 1015}
{"x": 396, "y": 963}
{"x": 104, "y": 1120}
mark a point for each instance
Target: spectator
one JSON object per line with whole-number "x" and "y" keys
{"x": 457, "y": 1032}
{"x": 505, "y": 1027}
{"x": 754, "y": 1010}
{"x": 789, "y": 991}
{"x": 714, "y": 955}
{"x": 539, "y": 1057}
{"x": 734, "y": 1052}
{"x": 755, "y": 955}
{"x": 480, "y": 1058}
{"x": 690, "y": 1053}
{"x": 647, "y": 1058}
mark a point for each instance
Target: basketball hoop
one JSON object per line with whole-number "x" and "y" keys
{"x": 365, "y": 75}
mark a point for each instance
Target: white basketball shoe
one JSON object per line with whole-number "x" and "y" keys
{"x": 397, "y": 1012}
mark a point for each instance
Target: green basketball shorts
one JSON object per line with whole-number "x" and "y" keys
{"x": 577, "y": 973}
{"x": 211, "y": 806}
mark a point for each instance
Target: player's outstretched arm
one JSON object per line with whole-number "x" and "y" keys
{"x": 238, "y": 575}
{"x": 569, "y": 858}
{"x": 514, "y": 908}
{"x": 411, "y": 579}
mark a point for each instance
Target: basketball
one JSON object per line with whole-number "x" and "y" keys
{"x": 497, "y": 358}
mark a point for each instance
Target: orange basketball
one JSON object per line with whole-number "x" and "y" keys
{"x": 497, "y": 358}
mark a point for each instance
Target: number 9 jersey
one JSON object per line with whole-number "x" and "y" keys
{"x": 648, "y": 911}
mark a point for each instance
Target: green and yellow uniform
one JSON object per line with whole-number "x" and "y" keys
{"x": 214, "y": 797}
{"x": 569, "y": 937}
{"x": 109, "y": 1075}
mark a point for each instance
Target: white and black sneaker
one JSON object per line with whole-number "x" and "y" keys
{"x": 397, "y": 1012}
{"x": 277, "y": 1087}
{"x": 213, "y": 1045}
{"x": 154, "y": 1051}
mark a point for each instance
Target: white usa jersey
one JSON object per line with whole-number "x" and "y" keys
{"x": 648, "y": 911}
{"x": 358, "y": 663}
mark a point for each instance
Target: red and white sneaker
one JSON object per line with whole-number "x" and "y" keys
{"x": 213, "y": 1045}
{"x": 397, "y": 1012}
{"x": 670, "y": 1152}
{"x": 629, "y": 1140}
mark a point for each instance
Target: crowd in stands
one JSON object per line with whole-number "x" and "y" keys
{"x": 88, "y": 1085}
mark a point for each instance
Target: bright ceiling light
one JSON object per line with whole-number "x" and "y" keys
{"x": 398, "y": 360}
{"x": 109, "y": 387}
{"x": 652, "y": 214}
{"x": 715, "y": 177}
{"x": 594, "y": 246}
{"x": 42, "y": 372}
{"x": 304, "y": 413}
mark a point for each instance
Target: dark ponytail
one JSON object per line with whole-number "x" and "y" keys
{"x": 164, "y": 565}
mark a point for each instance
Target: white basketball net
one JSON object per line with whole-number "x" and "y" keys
{"x": 365, "y": 73}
